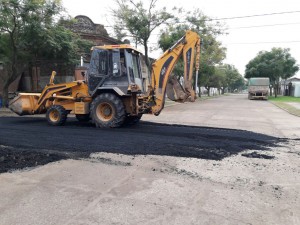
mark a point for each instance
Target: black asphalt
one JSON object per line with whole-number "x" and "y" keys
{"x": 30, "y": 141}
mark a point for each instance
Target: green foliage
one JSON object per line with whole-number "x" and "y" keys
{"x": 63, "y": 45}
{"x": 215, "y": 80}
{"x": 233, "y": 80}
{"x": 34, "y": 33}
{"x": 4, "y": 48}
{"x": 284, "y": 99}
{"x": 29, "y": 31}
{"x": 278, "y": 63}
{"x": 135, "y": 20}
{"x": 228, "y": 77}
{"x": 212, "y": 52}
{"x": 221, "y": 79}
{"x": 169, "y": 36}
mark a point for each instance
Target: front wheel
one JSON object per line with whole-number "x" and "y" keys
{"x": 107, "y": 110}
{"x": 56, "y": 115}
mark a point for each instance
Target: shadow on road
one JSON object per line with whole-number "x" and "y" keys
{"x": 29, "y": 141}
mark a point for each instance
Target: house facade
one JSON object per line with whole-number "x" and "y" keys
{"x": 290, "y": 87}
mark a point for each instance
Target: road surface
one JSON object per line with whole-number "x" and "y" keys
{"x": 226, "y": 160}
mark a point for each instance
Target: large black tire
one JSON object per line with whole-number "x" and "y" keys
{"x": 107, "y": 111}
{"x": 132, "y": 120}
{"x": 56, "y": 115}
{"x": 83, "y": 117}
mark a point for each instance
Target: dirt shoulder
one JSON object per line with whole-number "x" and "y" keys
{"x": 6, "y": 112}
{"x": 290, "y": 107}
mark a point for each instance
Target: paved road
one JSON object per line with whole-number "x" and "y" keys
{"x": 236, "y": 112}
{"x": 230, "y": 161}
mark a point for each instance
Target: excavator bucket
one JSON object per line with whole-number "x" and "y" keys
{"x": 188, "y": 87}
{"x": 177, "y": 93}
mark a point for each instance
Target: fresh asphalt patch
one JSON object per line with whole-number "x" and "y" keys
{"x": 29, "y": 141}
{"x": 17, "y": 158}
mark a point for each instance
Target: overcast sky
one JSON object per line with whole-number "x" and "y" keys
{"x": 247, "y": 36}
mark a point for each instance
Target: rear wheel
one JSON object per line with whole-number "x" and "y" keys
{"x": 56, "y": 115}
{"x": 107, "y": 110}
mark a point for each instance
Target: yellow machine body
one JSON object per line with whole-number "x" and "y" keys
{"x": 73, "y": 96}
{"x": 111, "y": 97}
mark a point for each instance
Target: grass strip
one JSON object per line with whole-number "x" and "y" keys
{"x": 284, "y": 99}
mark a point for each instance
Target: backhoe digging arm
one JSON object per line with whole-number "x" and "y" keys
{"x": 162, "y": 82}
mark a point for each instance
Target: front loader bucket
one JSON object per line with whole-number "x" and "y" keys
{"x": 24, "y": 103}
{"x": 175, "y": 91}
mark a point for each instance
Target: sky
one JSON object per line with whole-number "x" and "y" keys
{"x": 246, "y": 36}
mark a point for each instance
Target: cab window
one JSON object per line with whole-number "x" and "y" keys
{"x": 99, "y": 63}
{"x": 116, "y": 68}
{"x": 132, "y": 61}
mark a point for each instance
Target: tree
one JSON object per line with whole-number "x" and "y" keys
{"x": 212, "y": 52}
{"x": 134, "y": 19}
{"x": 216, "y": 80}
{"x": 168, "y": 38}
{"x": 18, "y": 19}
{"x": 221, "y": 74}
{"x": 231, "y": 78}
{"x": 234, "y": 79}
{"x": 28, "y": 32}
{"x": 275, "y": 64}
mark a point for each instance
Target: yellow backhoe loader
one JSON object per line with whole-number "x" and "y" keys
{"x": 114, "y": 92}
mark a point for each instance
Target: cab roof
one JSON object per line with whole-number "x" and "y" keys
{"x": 121, "y": 46}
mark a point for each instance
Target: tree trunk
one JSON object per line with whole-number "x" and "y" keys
{"x": 146, "y": 56}
{"x": 9, "y": 77}
{"x": 11, "y": 68}
{"x": 199, "y": 87}
{"x": 5, "y": 96}
{"x": 208, "y": 91}
{"x": 11, "y": 71}
{"x": 278, "y": 89}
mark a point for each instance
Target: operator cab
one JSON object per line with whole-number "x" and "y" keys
{"x": 114, "y": 67}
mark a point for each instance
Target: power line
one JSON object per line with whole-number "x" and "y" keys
{"x": 266, "y": 25}
{"x": 249, "y": 16}
{"x": 242, "y": 17}
{"x": 267, "y": 42}
{"x": 257, "y": 15}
